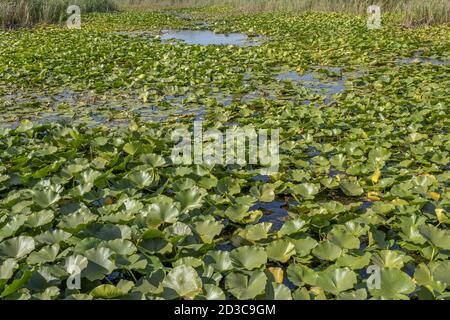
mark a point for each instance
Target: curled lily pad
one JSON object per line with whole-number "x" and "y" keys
{"x": 17, "y": 247}
{"x": 246, "y": 286}
{"x": 208, "y": 229}
{"x": 46, "y": 254}
{"x": 264, "y": 193}
{"x": 184, "y": 280}
{"x": 220, "y": 260}
{"x": 190, "y": 199}
{"x": 306, "y": 190}
{"x": 337, "y": 280}
{"x": 394, "y": 284}
{"x": 45, "y": 198}
{"x": 351, "y": 188}
{"x": 99, "y": 263}
{"x": 158, "y": 213}
{"x": 437, "y": 237}
{"x": 7, "y": 268}
{"x": 256, "y": 232}
{"x": 280, "y": 250}
{"x": 327, "y": 250}
{"x": 249, "y": 258}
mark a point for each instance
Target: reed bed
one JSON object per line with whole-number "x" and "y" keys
{"x": 26, "y": 13}
{"x": 409, "y": 12}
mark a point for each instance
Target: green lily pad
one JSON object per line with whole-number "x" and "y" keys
{"x": 248, "y": 258}
{"x": 17, "y": 247}
{"x": 280, "y": 250}
{"x": 184, "y": 280}
{"x": 246, "y": 286}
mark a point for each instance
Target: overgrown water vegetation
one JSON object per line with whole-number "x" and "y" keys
{"x": 87, "y": 182}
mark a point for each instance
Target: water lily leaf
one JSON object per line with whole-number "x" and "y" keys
{"x": 389, "y": 259}
{"x": 299, "y": 275}
{"x": 237, "y": 213}
{"x": 277, "y": 291}
{"x": 394, "y": 284}
{"x": 208, "y": 229}
{"x": 292, "y": 226}
{"x": 263, "y": 193}
{"x": 156, "y": 245}
{"x": 40, "y": 218}
{"x": 303, "y": 246}
{"x": 152, "y": 283}
{"x": 121, "y": 246}
{"x": 440, "y": 271}
{"x": 17, "y": 247}
{"x": 410, "y": 228}
{"x": 183, "y": 184}
{"x": 46, "y": 254}
{"x": 245, "y": 287}
{"x": 132, "y": 148}
{"x": 53, "y": 236}
{"x": 141, "y": 179}
{"x": 154, "y": 160}
{"x": 107, "y": 291}
{"x": 337, "y": 280}
{"x": 75, "y": 264}
{"x": 7, "y": 268}
{"x": 343, "y": 238}
{"x": 190, "y": 199}
{"x": 351, "y": 188}
{"x": 212, "y": 292}
{"x": 360, "y": 294}
{"x": 99, "y": 263}
{"x": 76, "y": 221}
{"x": 256, "y": 232}
{"x": 158, "y": 213}
{"x": 16, "y": 284}
{"x": 228, "y": 185}
{"x": 50, "y": 293}
{"x": 220, "y": 260}
{"x": 437, "y": 237}
{"x": 301, "y": 294}
{"x": 280, "y": 250}
{"x": 355, "y": 262}
{"x": 249, "y": 258}
{"x": 327, "y": 250}
{"x": 184, "y": 280}
{"x": 306, "y": 190}
{"x": 277, "y": 274}
{"x": 12, "y": 226}
{"x": 424, "y": 276}
{"x": 45, "y": 198}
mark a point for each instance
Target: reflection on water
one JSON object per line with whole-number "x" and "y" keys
{"x": 317, "y": 81}
{"x": 206, "y": 37}
{"x": 417, "y": 59}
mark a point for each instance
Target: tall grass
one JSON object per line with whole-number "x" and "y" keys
{"x": 410, "y": 12}
{"x": 25, "y": 13}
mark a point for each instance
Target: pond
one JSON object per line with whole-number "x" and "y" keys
{"x": 207, "y": 37}
{"x": 424, "y": 60}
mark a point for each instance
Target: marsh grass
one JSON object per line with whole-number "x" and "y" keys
{"x": 25, "y": 13}
{"x": 409, "y": 12}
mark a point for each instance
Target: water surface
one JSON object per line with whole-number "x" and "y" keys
{"x": 207, "y": 37}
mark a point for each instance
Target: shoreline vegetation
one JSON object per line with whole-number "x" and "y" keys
{"x": 26, "y": 13}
